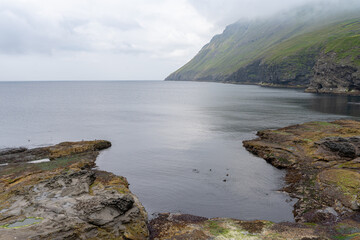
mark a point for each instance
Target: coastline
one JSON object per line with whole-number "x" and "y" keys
{"x": 322, "y": 160}
{"x": 305, "y": 88}
{"x": 323, "y": 173}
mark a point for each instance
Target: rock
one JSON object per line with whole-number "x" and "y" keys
{"x": 184, "y": 226}
{"x": 341, "y": 185}
{"x": 17, "y": 155}
{"x": 69, "y": 199}
{"x": 343, "y": 147}
{"x": 8, "y": 151}
{"x": 104, "y": 209}
{"x": 332, "y": 76}
{"x": 323, "y": 166}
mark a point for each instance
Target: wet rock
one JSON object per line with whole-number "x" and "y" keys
{"x": 343, "y": 147}
{"x": 196, "y": 170}
{"x": 8, "y": 151}
{"x": 16, "y": 155}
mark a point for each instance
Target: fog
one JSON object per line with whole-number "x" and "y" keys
{"x": 122, "y": 40}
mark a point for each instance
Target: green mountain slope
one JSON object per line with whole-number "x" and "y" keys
{"x": 283, "y": 50}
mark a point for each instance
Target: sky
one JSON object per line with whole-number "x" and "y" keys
{"x": 114, "y": 39}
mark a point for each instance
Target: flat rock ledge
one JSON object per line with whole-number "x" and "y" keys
{"x": 65, "y": 197}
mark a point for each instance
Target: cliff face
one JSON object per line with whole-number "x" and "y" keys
{"x": 294, "y": 49}
{"x": 331, "y": 76}
{"x": 282, "y": 74}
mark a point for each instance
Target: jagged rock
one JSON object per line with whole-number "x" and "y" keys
{"x": 343, "y": 147}
{"x": 332, "y": 76}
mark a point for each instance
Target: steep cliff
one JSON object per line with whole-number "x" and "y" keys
{"x": 291, "y": 49}
{"x": 338, "y": 70}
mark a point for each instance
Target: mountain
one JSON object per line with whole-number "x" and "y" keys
{"x": 308, "y": 47}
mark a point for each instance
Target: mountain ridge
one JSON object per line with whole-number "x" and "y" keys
{"x": 283, "y": 51}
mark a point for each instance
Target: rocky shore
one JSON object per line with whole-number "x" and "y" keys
{"x": 62, "y": 196}
{"x": 322, "y": 161}
{"x": 323, "y": 167}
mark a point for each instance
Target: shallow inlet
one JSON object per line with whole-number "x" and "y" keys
{"x": 24, "y": 223}
{"x": 167, "y": 136}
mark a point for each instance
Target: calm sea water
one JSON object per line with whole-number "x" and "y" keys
{"x": 168, "y": 135}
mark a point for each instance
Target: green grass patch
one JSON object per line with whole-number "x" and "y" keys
{"x": 216, "y": 229}
{"x": 347, "y": 237}
{"x": 327, "y": 124}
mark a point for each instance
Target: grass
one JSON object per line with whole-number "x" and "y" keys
{"x": 327, "y": 124}
{"x": 347, "y": 237}
{"x": 216, "y": 229}
{"x": 44, "y": 166}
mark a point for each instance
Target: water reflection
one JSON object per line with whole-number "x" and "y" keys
{"x": 343, "y": 105}
{"x": 161, "y": 131}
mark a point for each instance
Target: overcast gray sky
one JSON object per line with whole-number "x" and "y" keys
{"x": 114, "y": 39}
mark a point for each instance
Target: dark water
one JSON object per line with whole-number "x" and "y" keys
{"x": 162, "y": 131}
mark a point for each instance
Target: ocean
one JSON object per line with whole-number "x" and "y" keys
{"x": 179, "y": 144}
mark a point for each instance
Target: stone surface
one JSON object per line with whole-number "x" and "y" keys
{"x": 322, "y": 162}
{"x": 332, "y": 76}
{"x": 72, "y": 200}
{"x": 180, "y": 226}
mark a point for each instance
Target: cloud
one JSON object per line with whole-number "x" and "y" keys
{"x": 157, "y": 36}
{"x": 100, "y": 26}
{"x": 223, "y": 13}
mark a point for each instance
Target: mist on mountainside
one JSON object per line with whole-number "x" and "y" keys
{"x": 314, "y": 46}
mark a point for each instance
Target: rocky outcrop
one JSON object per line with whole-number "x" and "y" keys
{"x": 66, "y": 198}
{"x": 323, "y": 167}
{"x": 334, "y": 76}
{"x": 183, "y": 226}
{"x": 16, "y": 155}
{"x": 294, "y": 71}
